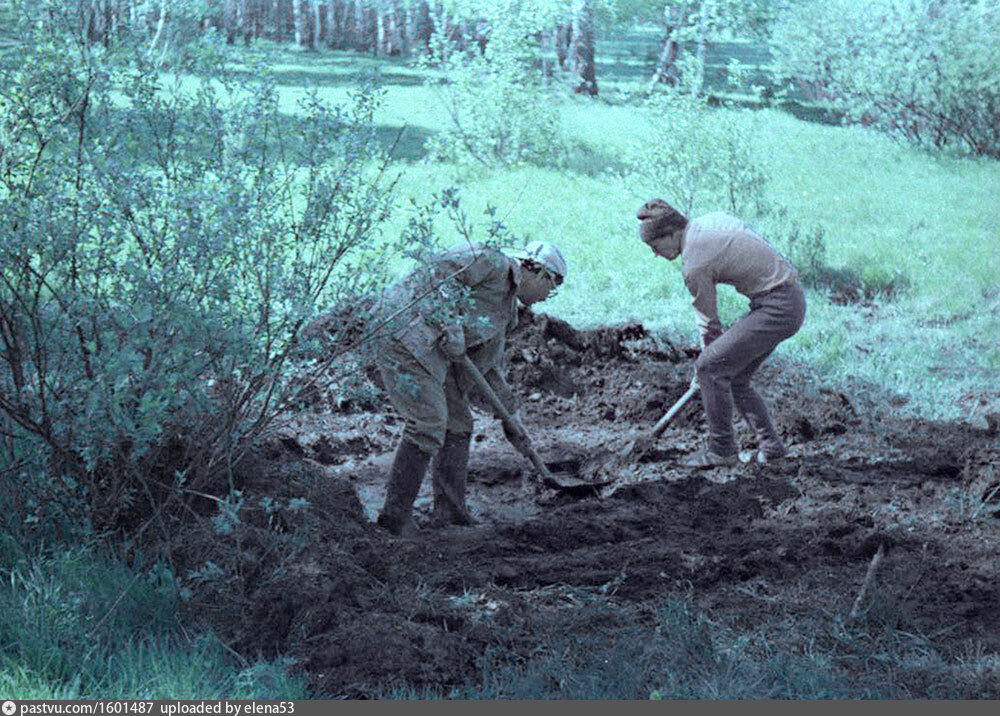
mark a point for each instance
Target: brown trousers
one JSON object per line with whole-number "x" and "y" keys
{"x": 430, "y": 404}
{"x": 725, "y": 367}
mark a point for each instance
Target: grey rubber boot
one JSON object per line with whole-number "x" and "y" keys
{"x": 409, "y": 464}
{"x": 449, "y": 472}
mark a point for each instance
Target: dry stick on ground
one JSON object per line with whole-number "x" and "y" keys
{"x": 986, "y": 500}
{"x": 869, "y": 578}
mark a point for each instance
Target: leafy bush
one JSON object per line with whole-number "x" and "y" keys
{"x": 696, "y": 157}
{"x": 929, "y": 72}
{"x": 498, "y": 111}
{"x": 164, "y": 240}
{"x": 806, "y": 249}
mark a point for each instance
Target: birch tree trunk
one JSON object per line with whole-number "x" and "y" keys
{"x": 419, "y": 25}
{"x": 253, "y": 17}
{"x": 244, "y": 21}
{"x": 581, "y": 52}
{"x": 334, "y": 15}
{"x": 363, "y": 30}
{"x": 278, "y": 28}
{"x": 703, "y": 20}
{"x": 160, "y": 22}
{"x": 229, "y": 21}
{"x": 398, "y": 28}
{"x": 380, "y": 41}
{"x": 547, "y": 47}
{"x": 666, "y": 70}
{"x": 390, "y": 30}
{"x": 92, "y": 19}
{"x": 106, "y": 22}
{"x": 302, "y": 19}
{"x": 297, "y": 22}
{"x": 563, "y": 36}
{"x": 317, "y": 25}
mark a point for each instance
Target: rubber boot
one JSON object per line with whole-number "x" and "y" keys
{"x": 449, "y": 472}
{"x": 409, "y": 464}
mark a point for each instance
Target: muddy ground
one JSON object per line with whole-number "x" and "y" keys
{"x": 305, "y": 573}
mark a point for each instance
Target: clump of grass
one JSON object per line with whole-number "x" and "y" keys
{"x": 684, "y": 653}
{"x": 603, "y": 650}
{"x": 807, "y": 250}
{"x": 76, "y": 626}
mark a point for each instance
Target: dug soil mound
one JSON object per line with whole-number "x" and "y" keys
{"x": 297, "y": 567}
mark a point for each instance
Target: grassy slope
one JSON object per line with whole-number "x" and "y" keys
{"x": 888, "y": 212}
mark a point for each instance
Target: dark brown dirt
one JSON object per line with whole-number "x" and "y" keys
{"x": 303, "y": 572}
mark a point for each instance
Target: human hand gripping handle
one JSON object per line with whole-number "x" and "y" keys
{"x": 709, "y": 334}
{"x": 452, "y": 340}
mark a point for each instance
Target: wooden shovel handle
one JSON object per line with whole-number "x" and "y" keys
{"x": 661, "y": 425}
{"x": 502, "y": 411}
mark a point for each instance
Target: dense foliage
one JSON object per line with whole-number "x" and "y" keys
{"x": 926, "y": 71}
{"x": 164, "y": 240}
{"x": 698, "y": 157}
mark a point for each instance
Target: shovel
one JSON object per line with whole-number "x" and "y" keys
{"x": 557, "y": 481}
{"x": 643, "y": 442}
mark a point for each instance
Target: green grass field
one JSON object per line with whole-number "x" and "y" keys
{"x": 890, "y": 214}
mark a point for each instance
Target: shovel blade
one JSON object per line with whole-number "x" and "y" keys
{"x": 635, "y": 448}
{"x": 572, "y": 485}
{"x": 567, "y": 477}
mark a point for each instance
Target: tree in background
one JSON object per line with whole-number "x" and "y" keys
{"x": 581, "y": 48}
{"x": 562, "y": 34}
{"x": 383, "y": 27}
{"x": 493, "y": 89}
{"x": 927, "y": 71}
{"x": 698, "y": 158}
{"x": 688, "y": 23}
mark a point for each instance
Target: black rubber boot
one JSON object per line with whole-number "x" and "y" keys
{"x": 449, "y": 473}
{"x": 409, "y": 464}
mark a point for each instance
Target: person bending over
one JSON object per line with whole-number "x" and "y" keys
{"x": 462, "y": 302}
{"x": 720, "y": 248}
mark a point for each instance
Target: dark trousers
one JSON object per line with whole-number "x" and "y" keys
{"x": 725, "y": 367}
